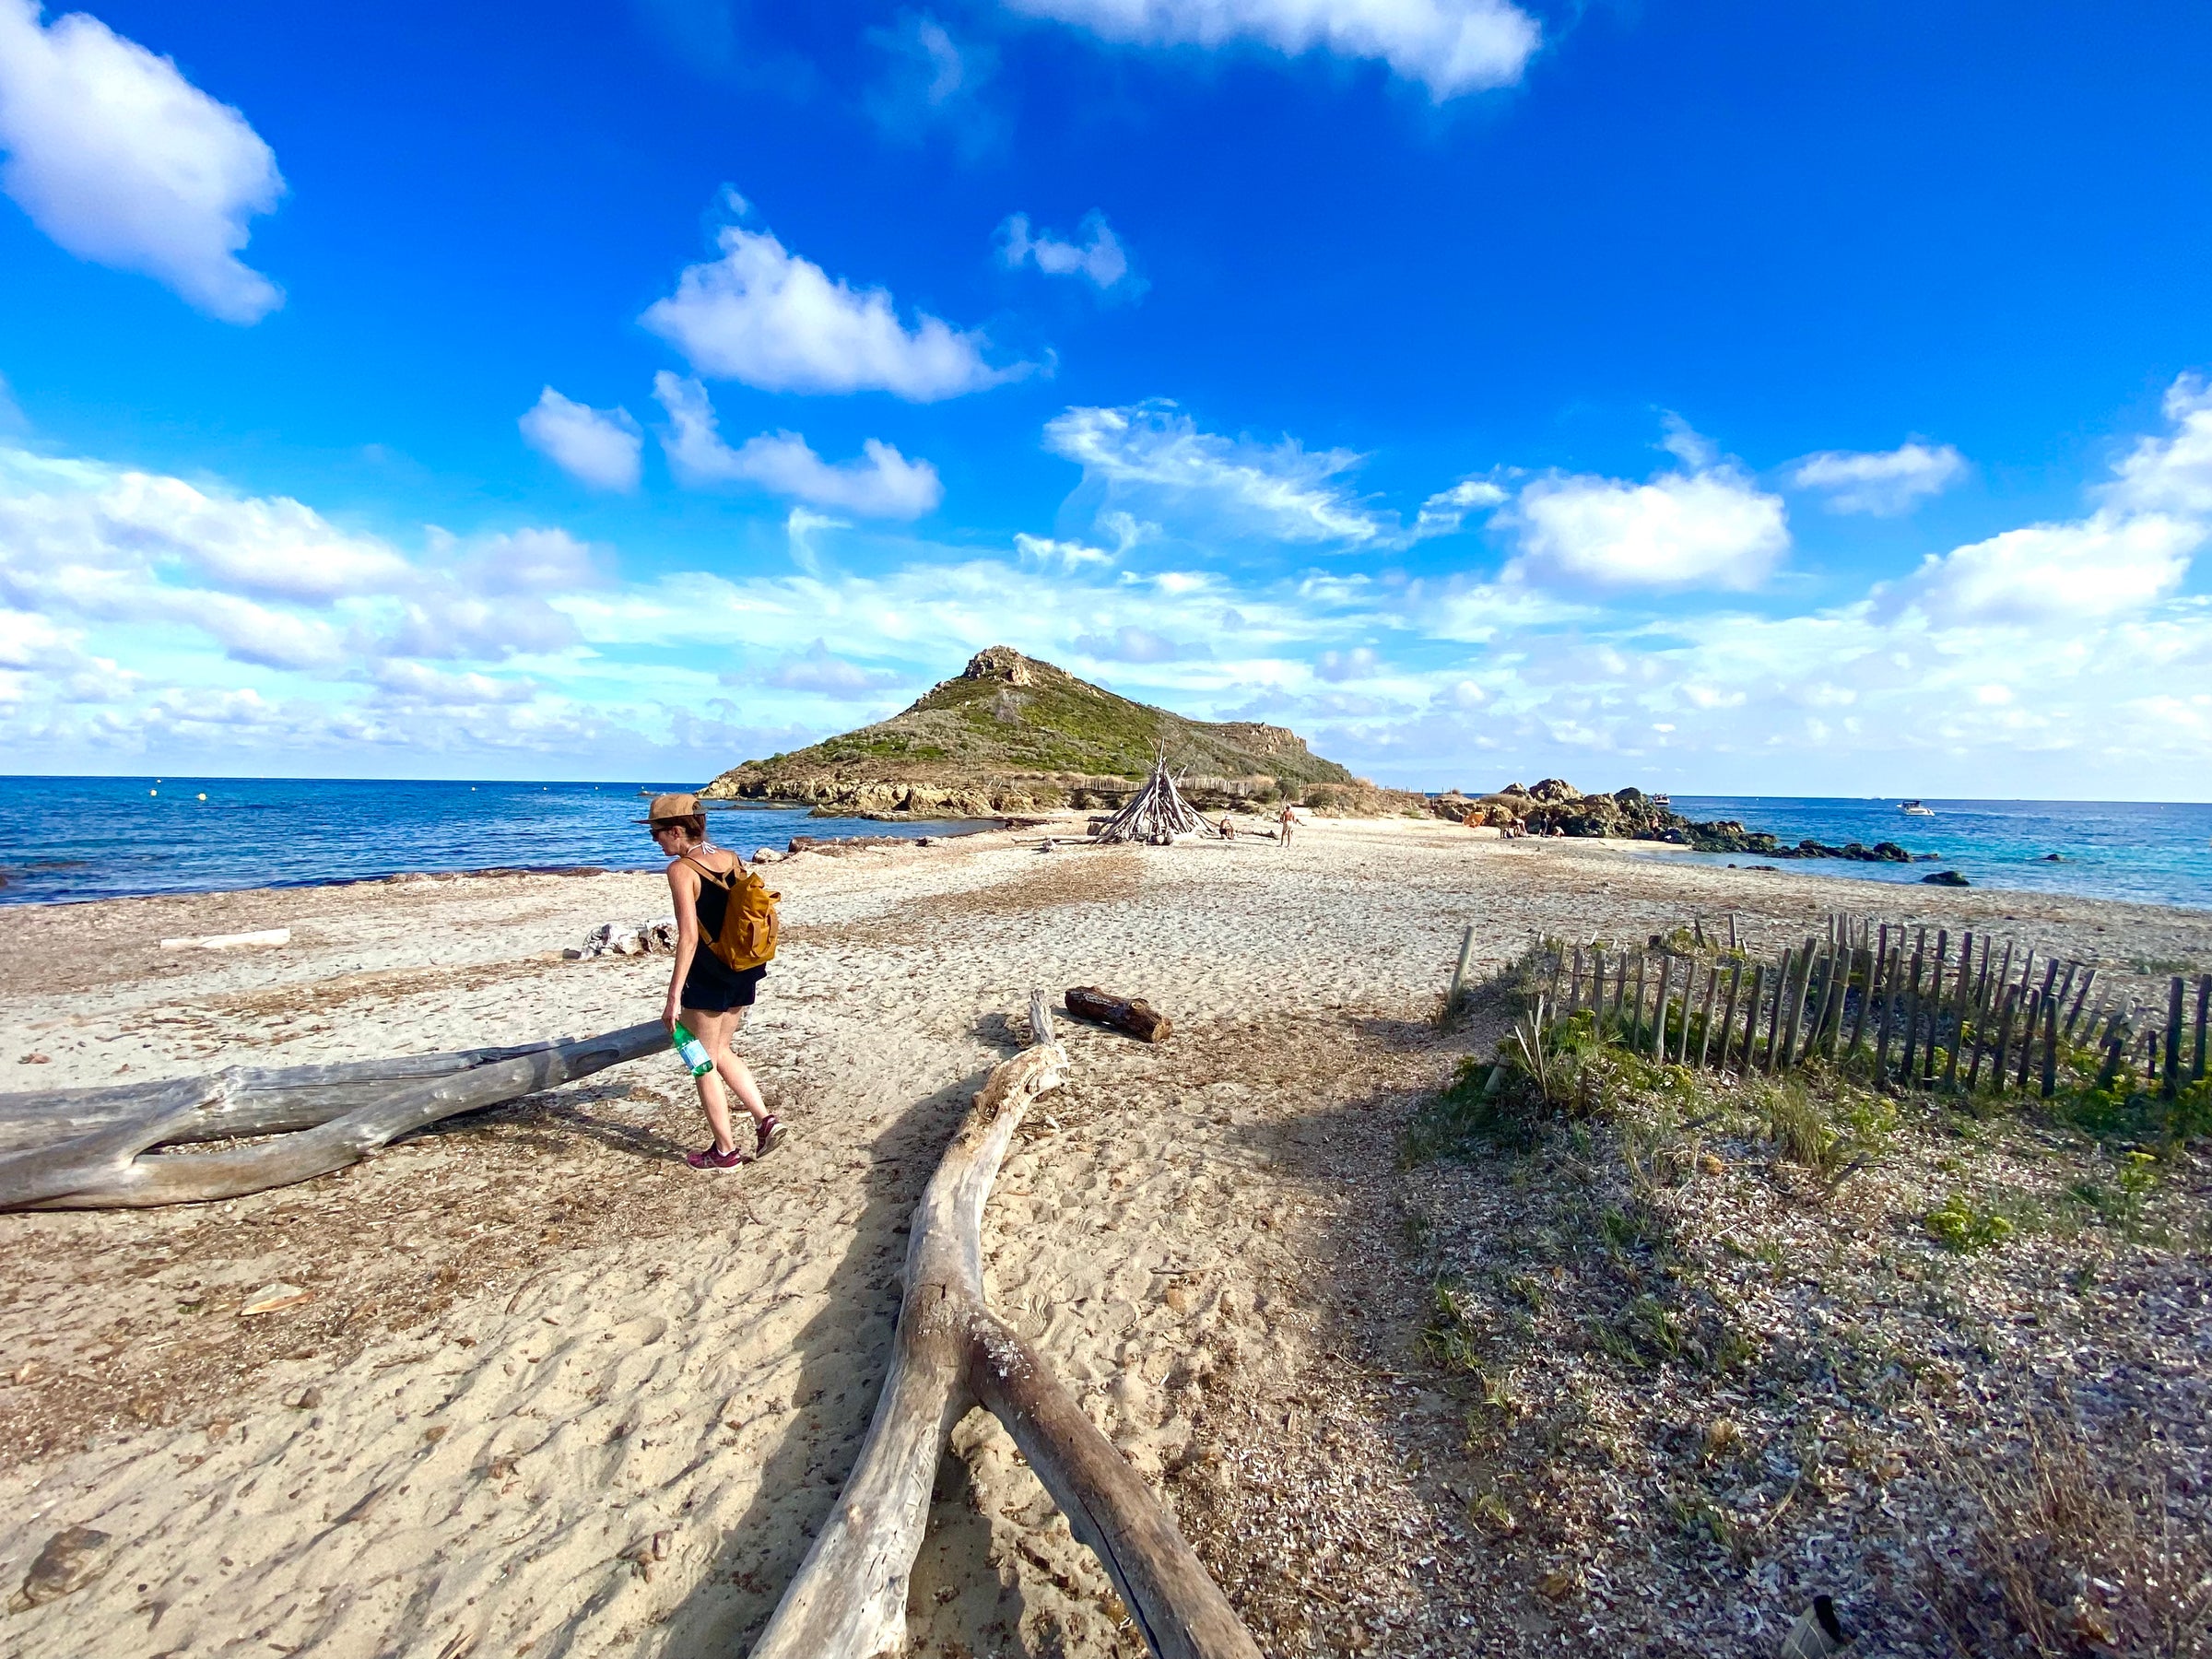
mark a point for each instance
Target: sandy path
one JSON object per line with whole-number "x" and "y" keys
{"x": 555, "y": 1394}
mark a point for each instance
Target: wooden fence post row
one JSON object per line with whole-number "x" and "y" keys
{"x": 1918, "y": 1009}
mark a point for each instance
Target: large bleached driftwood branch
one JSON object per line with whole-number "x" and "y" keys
{"x": 848, "y": 1600}
{"x": 334, "y": 1120}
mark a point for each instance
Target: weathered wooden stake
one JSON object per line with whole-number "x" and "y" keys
{"x": 2172, "y": 1082}
{"x": 2204, "y": 1007}
{"x": 1574, "y": 990}
{"x": 1868, "y": 991}
{"x": 1635, "y": 1038}
{"x": 1459, "y": 973}
{"x": 1712, "y": 980}
{"x": 1736, "y": 979}
{"x": 2050, "y": 1047}
{"x": 2033, "y": 1007}
{"x": 1907, "y": 1072}
{"x": 1782, "y": 989}
{"x": 1892, "y": 972}
{"x": 1828, "y": 995}
{"x": 2116, "y": 1036}
{"x": 2081, "y": 996}
{"x": 2012, "y": 1002}
{"x": 1597, "y": 989}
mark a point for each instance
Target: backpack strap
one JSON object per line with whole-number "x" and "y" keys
{"x": 728, "y": 881}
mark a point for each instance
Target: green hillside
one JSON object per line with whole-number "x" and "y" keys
{"x": 1008, "y": 716}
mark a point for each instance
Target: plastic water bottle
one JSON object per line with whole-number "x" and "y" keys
{"x": 690, "y": 1050}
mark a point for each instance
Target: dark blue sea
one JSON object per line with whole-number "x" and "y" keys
{"x": 65, "y": 839}
{"x": 2152, "y": 852}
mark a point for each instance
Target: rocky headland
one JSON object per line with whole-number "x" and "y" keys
{"x": 1010, "y": 735}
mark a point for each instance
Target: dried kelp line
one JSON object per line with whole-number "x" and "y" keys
{"x": 847, "y": 1598}
{"x": 1985, "y": 1016}
{"x": 308, "y": 1121}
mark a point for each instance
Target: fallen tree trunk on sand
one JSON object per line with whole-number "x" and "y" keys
{"x": 115, "y": 1167}
{"x": 257, "y": 1100}
{"x": 1132, "y": 1015}
{"x": 848, "y": 1599}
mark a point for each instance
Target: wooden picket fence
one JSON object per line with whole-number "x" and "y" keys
{"x": 1985, "y": 1016}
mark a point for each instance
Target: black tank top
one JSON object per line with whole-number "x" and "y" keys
{"x": 713, "y": 904}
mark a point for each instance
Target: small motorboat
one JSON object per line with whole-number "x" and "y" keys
{"x": 1914, "y": 809}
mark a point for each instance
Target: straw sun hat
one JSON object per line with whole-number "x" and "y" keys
{"x": 667, "y": 806}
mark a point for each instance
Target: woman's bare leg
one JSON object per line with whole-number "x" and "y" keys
{"x": 730, "y": 1073}
{"x": 713, "y": 1031}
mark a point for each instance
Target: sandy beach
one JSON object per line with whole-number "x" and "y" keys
{"x": 553, "y": 1393}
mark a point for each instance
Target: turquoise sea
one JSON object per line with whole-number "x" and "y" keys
{"x": 68, "y": 838}
{"x": 2152, "y": 852}
{"x": 94, "y": 837}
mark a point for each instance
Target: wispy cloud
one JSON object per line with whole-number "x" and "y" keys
{"x": 1154, "y": 458}
{"x": 1449, "y": 46}
{"x": 1885, "y": 483}
{"x": 598, "y": 447}
{"x": 932, "y": 83}
{"x": 1099, "y": 258}
{"x": 882, "y": 484}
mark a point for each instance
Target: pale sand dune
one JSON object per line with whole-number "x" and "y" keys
{"x": 571, "y": 1397}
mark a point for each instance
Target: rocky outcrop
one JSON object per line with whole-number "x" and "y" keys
{"x": 1556, "y": 806}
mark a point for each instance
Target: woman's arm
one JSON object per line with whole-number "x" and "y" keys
{"x": 683, "y": 886}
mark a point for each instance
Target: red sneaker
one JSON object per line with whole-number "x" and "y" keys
{"x": 711, "y": 1160}
{"x": 768, "y": 1132}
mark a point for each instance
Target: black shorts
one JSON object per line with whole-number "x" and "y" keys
{"x": 713, "y": 988}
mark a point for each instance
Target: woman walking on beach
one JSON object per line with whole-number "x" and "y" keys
{"x": 708, "y": 995}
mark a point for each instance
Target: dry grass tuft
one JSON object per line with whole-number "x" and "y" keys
{"x": 2076, "y": 1550}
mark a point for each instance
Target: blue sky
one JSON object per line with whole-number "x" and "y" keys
{"x": 1749, "y": 399}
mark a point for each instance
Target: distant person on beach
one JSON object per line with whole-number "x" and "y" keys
{"x": 1229, "y": 830}
{"x": 1289, "y": 821}
{"x": 705, "y": 994}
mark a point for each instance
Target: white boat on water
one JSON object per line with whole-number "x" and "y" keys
{"x": 1914, "y": 809}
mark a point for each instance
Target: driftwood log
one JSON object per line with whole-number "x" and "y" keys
{"x": 312, "y": 1122}
{"x": 257, "y": 1100}
{"x": 1132, "y": 1015}
{"x": 848, "y": 1600}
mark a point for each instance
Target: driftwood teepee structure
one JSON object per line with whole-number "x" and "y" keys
{"x": 1156, "y": 814}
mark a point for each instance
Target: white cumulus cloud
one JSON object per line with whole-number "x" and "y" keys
{"x": 1449, "y": 46}
{"x": 1099, "y": 258}
{"x": 598, "y": 447}
{"x": 1152, "y": 454}
{"x": 123, "y": 162}
{"x": 1693, "y": 529}
{"x": 2172, "y": 474}
{"x": 762, "y": 315}
{"x": 2094, "y": 568}
{"x": 2131, "y": 551}
{"x": 1885, "y": 483}
{"x": 883, "y": 484}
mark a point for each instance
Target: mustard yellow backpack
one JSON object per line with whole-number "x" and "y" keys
{"x": 749, "y": 922}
